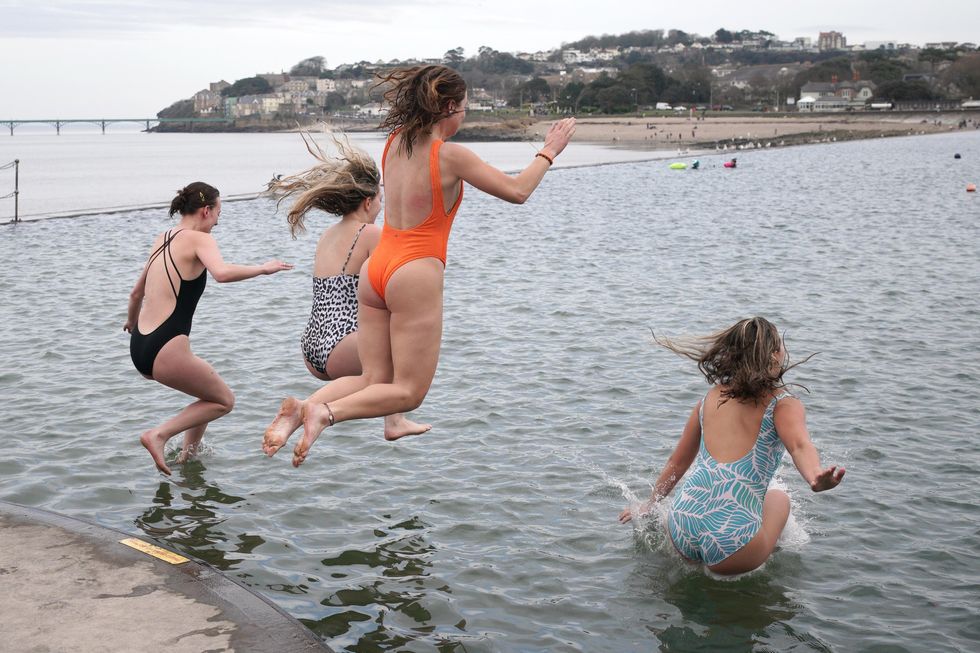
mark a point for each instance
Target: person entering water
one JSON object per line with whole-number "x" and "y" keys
{"x": 348, "y": 186}
{"x": 401, "y": 285}
{"x": 161, "y": 309}
{"x": 725, "y": 516}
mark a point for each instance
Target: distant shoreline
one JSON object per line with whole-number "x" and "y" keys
{"x": 669, "y": 132}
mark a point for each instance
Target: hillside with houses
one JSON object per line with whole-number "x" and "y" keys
{"x": 639, "y": 72}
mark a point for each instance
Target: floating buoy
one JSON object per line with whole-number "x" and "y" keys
{"x": 971, "y": 188}
{"x": 678, "y": 166}
{"x": 957, "y": 156}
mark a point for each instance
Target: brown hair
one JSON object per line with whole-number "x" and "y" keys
{"x": 419, "y": 98}
{"x": 741, "y": 358}
{"x": 336, "y": 185}
{"x": 193, "y": 197}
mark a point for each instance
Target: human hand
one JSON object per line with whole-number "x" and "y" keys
{"x": 626, "y": 516}
{"x": 642, "y": 510}
{"x": 275, "y": 265}
{"x": 827, "y": 479}
{"x": 558, "y": 136}
{"x": 128, "y": 327}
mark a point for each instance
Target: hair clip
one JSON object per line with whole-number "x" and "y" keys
{"x": 201, "y": 193}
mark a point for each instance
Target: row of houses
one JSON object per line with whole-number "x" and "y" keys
{"x": 290, "y": 95}
{"x": 825, "y": 42}
{"x": 298, "y": 95}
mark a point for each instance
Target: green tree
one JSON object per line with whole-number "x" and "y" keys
{"x": 897, "y": 91}
{"x": 310, "y": 67}
{"x": 454, "y": 58}
{"x": 179, "y": 109}
{"x": 568, "y": 97}
{"x": 248, "y": 86}
{"x": 534, "y": 90}
{"x": 964, "y": 76}
{"x": 724, "y": 36}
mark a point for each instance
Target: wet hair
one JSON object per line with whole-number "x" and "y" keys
{"x": 336, "y": 185}
{"x": 193, "y": 197}
{"x": 419, "y": 97}
{"x": 740, "y": 358}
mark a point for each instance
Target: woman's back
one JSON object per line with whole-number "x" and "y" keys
{"x": 172, "y": 262}
{"x": 730, "y": 430}
{"x": 343, "y": 248}
{"x": 408, "y": 182}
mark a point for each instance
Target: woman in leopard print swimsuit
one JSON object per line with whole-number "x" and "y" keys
{"x": 347, "y": 186}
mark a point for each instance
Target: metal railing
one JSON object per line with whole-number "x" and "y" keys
{"x": 15, "y": 164}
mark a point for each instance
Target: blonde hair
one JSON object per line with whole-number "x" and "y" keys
{"x": 741, "y": 358}
{"x": 336, "y": 185}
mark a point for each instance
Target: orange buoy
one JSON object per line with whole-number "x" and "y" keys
{"x": 971, "y": 188}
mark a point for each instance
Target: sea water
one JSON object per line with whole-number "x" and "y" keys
{"x": 552, "y": 407}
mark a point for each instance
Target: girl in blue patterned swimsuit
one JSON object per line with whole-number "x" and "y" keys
{"x": 725, "y": 516}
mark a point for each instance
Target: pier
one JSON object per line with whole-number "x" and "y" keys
{"x": 58, "y": 123}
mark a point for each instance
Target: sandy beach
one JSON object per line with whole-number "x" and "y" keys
{"x": 720, "y": 130}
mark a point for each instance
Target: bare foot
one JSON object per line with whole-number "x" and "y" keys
{"x": 316, "y": 417}
{"x": 287, "y": 420}
{"x": 398, "y": 426}
{"x": 154, "y": 441}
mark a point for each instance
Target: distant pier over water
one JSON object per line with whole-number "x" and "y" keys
{"x": 58, "y": 123}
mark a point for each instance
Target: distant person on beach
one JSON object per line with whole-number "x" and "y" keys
{"x": 401, "y": 285}
{"x": 348, "y": 186}
{"x": 161, "y": 308}
{"x": 725, "y": 515}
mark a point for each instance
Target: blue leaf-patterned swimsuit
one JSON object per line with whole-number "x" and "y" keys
{"x": 719, "y": 508}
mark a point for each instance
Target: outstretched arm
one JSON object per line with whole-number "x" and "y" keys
{"x": 210, "y": 256}
{"x": 789, "y": 417}
{"x": 677, "y": 465}
{"x": 463, "y": 163}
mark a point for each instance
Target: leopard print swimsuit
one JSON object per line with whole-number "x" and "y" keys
{"x": 334, "y": 313}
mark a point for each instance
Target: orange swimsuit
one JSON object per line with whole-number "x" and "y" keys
{"x": 427, "y": 239}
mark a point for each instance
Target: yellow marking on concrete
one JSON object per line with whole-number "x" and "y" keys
{"x": 155, "y": 551}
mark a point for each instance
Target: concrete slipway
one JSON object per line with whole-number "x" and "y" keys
{"x": 68, "y": 585}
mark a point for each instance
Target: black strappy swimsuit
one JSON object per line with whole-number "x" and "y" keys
{"x": 144, "y": 348}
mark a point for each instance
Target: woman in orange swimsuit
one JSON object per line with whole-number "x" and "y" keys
{"x": 401, "y": 284}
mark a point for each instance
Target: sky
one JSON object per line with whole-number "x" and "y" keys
{"x": 117, "y": 59}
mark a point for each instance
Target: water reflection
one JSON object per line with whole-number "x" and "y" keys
{"x": 749, "y": 613}
{"x": 187, "y": 514}
{"x": 401, "y": 604}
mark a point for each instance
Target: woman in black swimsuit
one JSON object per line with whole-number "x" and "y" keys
{"x": 161, "y": 308}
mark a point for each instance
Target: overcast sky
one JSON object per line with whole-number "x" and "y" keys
{"x": 110, "y": 58}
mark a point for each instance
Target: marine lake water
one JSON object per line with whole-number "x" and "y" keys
{"x": 552, "y": 408}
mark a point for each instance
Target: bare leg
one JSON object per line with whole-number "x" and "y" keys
{"x": 192, "y": 440}
{"x": 399, "y": 349}
{"x": 344, "y": 361}
{"x": 775, "y": 512}
{"x": 178, "y": 368}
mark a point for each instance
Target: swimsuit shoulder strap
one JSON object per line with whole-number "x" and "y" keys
{"x": 384, "y": 155}
{"x": 435, "y": 177}
{"x": 780, "y": 396}
{"x": 701, "y": 410}
{"x": 343, "y": 270}
{"x": 164, "y": 249}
